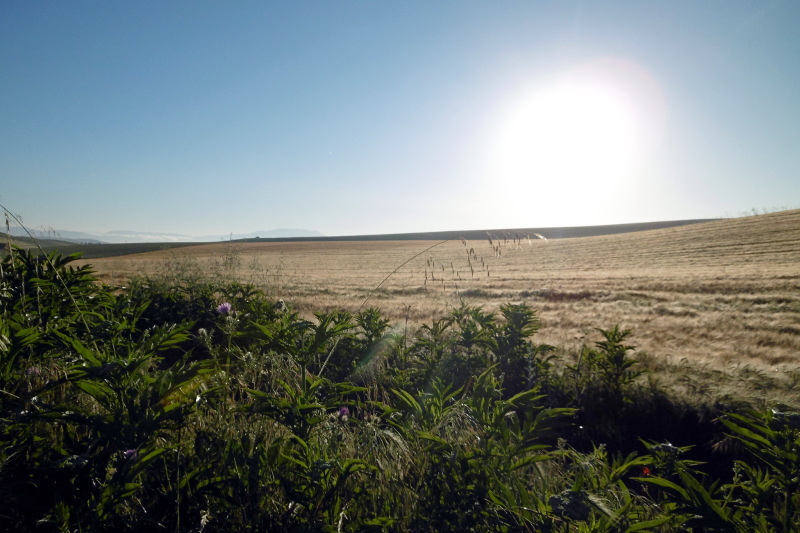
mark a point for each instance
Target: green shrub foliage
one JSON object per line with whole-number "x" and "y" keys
{"x": 200, "y": 406}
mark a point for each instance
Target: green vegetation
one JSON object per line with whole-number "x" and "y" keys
{"x": 204, "y": 406}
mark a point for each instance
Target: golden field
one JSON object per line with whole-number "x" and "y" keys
{"x": 721, "y": 295}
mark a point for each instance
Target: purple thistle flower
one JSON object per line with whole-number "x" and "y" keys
{"x": 344, "y": 412}
{"x": 130, "y": 454}
{"x": 224, "y": 308}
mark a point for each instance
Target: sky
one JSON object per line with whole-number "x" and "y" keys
{"x": 367, "y": 117}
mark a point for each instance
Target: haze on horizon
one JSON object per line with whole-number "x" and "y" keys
{"x": 205, "y": 118}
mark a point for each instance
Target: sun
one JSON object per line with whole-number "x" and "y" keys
{"x": 583, "y": 133}
{"x": 570, "y": 132}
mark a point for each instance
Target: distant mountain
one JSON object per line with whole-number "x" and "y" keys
{"x": 59, "y": 235}
{"x": 130, "y": 236}
{"x": 124, "y": 236}
{"x": 280, "y": 233}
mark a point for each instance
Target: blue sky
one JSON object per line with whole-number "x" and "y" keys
{"x": 213, "y": 117}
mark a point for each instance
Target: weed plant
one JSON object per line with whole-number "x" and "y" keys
{"x": 203, "y": 405}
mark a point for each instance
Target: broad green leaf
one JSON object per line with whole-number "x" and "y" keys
{"x": 431, "y": 437}
{"x": 696, "y": 488}
{"x": 529, "y": 460}
{"x": 648, "y": 524}
{"x": 80, "y": 349}
{"x": 661, "y": 482}
{"x": 408, "y": 400}
{"x": 745, "y": 434}
{"x": 524, "y": 397}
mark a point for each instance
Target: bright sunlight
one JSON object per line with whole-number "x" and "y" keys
{"x": 582, "y": 134}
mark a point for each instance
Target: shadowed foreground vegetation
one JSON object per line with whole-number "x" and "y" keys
{"x": 206, "y": 406}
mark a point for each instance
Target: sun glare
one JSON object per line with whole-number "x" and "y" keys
{"x": 582, "y": 133}
{"x": 569, "y": 132}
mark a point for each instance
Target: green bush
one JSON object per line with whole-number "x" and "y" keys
{"x": 200, "y": 405}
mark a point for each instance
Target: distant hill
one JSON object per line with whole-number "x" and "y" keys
{"x": 27, "y": 242}
{"x": 92, "y": 250}
{"x": 132, "y": 236}
{"x": 549, "y": 233}
{"x": 280, "y": 233}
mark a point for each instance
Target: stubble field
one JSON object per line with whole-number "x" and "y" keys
{"x": 721, "y": 298}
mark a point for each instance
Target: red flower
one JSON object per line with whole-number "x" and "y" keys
{"x": 646, "y": 471}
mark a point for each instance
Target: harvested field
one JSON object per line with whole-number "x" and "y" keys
{"x": 722, "y": 294}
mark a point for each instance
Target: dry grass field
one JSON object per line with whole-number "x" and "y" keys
{"x": 720, "y": 297}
